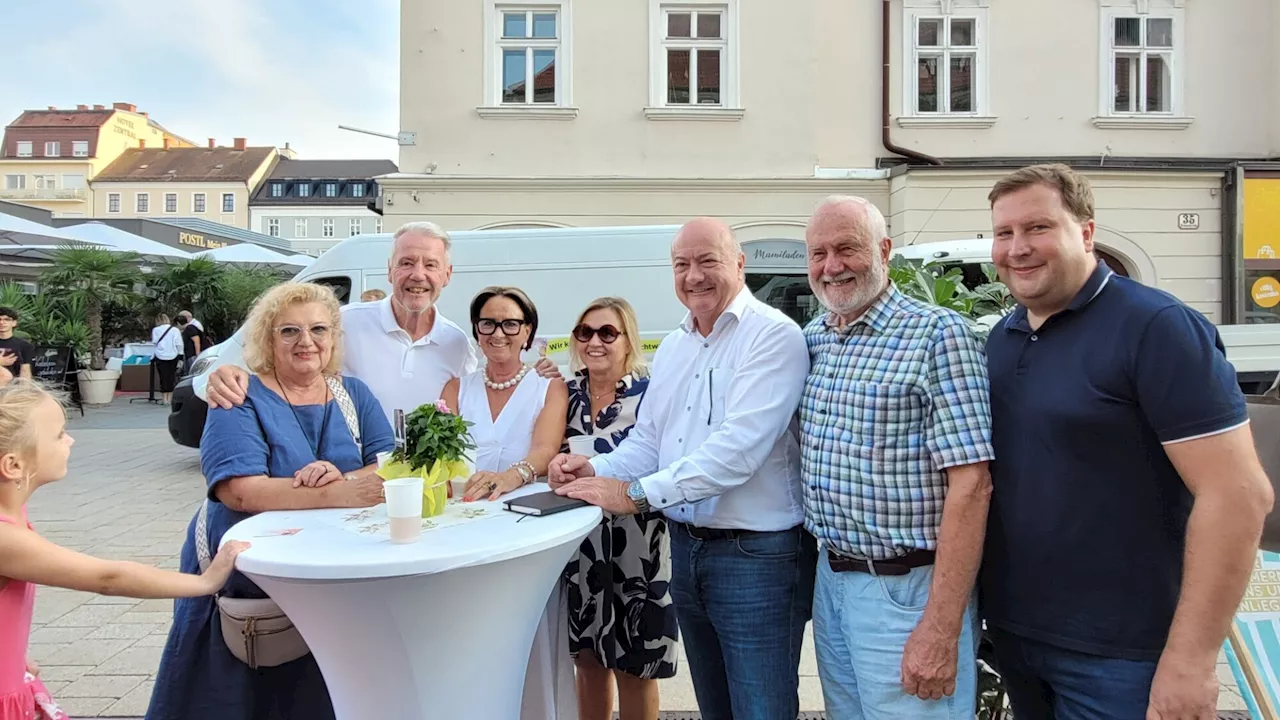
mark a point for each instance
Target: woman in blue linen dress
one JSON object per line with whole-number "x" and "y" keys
{"x": 286, "y": 447}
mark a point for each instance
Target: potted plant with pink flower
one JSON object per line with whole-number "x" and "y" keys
{"x": 435, "y": 448}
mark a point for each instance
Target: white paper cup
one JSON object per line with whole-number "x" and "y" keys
{"x": 404, "y": 508}
{"x": 583, "y": 445}
{"x": 383, "y": 458}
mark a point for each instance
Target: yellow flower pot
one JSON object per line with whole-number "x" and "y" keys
{"x": 435, "y": 485}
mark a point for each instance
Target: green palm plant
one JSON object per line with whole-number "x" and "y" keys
{"x": 12, "y": 296}
{"x": 92, "y": 277}
{"x": 194, "y": 285}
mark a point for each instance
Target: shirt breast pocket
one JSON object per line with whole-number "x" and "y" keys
{"x": 889, "y": 414}
{"x": 718, "y": 381}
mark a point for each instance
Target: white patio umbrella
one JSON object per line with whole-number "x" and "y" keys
{"x": 251, "y": 254}
{"x": 20, "y": 231}
{"x": 116, "y": 239}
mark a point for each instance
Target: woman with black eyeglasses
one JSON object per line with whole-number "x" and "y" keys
{"x": 622, "y": 625}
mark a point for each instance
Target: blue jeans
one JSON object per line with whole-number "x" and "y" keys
{"x": 861, "y": 623}
{"x": 742, "y": 604}
{"x": 1053, "y": 683}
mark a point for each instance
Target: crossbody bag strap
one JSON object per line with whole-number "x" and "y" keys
{"x": 348, "y": 409}
{"x": 202, "y": 536}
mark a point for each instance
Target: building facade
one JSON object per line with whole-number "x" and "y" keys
{"x": 51, "y": 156}
{"x": 316, "y": 203}
{"x": 213, "y": 183}
{"x": 564, "y": 112}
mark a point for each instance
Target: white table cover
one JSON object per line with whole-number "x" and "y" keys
{"x": 441, "y": 628}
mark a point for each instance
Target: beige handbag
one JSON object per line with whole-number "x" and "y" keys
{"x": 256, "y": 630}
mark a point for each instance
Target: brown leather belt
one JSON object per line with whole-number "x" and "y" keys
{"x": 900, "y": 565}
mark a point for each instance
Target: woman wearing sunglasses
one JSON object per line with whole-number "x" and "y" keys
{"x": 622, "y": 625}
{"x": 288, "y": 447}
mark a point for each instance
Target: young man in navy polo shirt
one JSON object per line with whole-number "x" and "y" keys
{"x": 1128, "y": 499}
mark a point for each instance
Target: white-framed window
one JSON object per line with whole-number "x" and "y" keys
{"x": 357, "y": 189}
{"x": 80, "y": 148}
{"x": 197, "y": 203}
{"x": 355, "y": 226}
{"x": 304, "y": 189}
{"x": 15, "y": 182}
{"x": 1140, "y": 71}
{"x": 945, "y": 70}
{"x": 693, "y": 59}
{"x": 300, "y": 227}
{"x": 142, "y": 202}
{"x": 24, "y": 148}
{"x": 527, "y": 58}
{"x": 228, "y": 202}
{"x": 113, "y": 202}
{"x": 52, "y": 148}
{"x": 273, "y": 227}
{"x": 326, "y": 227}
{"x": 73, "y": 181}
{"x": 377, "y": 225}
{"x": 277, "y": 189}
{"x": 331, "y": 189}
{"x": 171, "y": 202}
{"x": 46, "y": 182}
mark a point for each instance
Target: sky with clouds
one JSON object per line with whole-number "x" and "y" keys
{"x": 271, "y": 71}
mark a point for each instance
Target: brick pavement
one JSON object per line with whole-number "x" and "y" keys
{"x": 130, "y": 494}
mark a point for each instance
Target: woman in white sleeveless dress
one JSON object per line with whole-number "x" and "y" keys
{"x": 518, "y": 425}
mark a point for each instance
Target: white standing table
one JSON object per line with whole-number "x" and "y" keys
{"x": 441, "y": 628}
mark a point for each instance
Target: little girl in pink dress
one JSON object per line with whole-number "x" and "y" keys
{"x": 34, "y": 448}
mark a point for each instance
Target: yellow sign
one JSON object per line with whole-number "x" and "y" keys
{"x": 561, "y": 344}
{"x": 1261, "y": 219}
{"x": 199, "y": 241}
{"x": 1266, "y": 292}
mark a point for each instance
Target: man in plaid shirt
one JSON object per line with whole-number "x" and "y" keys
{"x": 895, "y": 441}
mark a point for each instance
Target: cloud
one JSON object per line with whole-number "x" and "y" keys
{"x": 272, "y": 72}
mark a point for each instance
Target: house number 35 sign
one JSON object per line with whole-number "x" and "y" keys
{"x": 1188, "y": 221}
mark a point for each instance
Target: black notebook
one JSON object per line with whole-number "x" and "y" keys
{"x": 543, "y": 503}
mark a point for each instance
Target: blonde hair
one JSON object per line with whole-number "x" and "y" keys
{"x": 163, "y": 319}
{"x": 259, "y": 354}
{"x": 18, "y": 399}
{"x": 631, "y": 333}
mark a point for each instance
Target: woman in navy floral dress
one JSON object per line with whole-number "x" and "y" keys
{"x": 622, "y": 625}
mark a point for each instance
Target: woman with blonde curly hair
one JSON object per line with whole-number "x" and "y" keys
{"x": 305, "y": 437}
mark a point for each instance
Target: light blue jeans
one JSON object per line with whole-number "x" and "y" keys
{"x": 861, "y": 623}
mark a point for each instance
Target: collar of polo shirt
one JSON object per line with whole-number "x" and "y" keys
{"x": 392, "y": 327}
{"x": 1094, "y": 285}
{"x": 735, "y": 309}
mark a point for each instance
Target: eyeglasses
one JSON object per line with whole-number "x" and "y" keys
{"x": 608, "y": 333}
{"x": 488, "y": 326}
{"x": 291, "y": 334}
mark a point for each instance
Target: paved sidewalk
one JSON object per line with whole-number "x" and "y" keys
{"x": 130, "y": 494}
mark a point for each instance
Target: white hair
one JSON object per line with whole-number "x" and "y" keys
{"x": 425, "y": 229}
{"x": 874, "y": 223}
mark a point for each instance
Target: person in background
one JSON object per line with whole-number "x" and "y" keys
{"x": 16, "y": 354}
{"x": 168, "y": 354}
{"x": 193, "y": 339}
{"x": 287, "y": 447}
{"x": 34, "y": 450}
{"x": 5, "y": 376}
{"x": 372, "y": 295}
{"x": 199, "y": 325}
{"x": 895, "y": 437}
{"x": 622, "y": 624}
{"x": 715, "y": 447}
{"x": 1128, "y": 497}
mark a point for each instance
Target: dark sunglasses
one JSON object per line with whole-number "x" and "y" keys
{"x": 486, "y": 326}
{"x": 608, "y": 333}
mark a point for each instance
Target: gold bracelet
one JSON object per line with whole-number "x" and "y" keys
{"x": 525, "y": 471}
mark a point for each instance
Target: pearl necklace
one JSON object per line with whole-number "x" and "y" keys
{"x": 524, "y": 369}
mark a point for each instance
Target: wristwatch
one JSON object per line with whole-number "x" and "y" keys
{"x": 635, "y": 492}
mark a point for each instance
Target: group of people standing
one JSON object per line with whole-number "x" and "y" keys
{"x": 1086, "y": 482}
{"x": 177, "y": 342}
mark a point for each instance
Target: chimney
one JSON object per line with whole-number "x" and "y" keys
{"x": 82, "y": 107}
{"x": 239, "y": 143}
{"x": 142, "y": 142}
{"x": 212, "y": 143}
{"x": 144, "y": 115}
{"x": 125, "y": 107}
{"x": 99, "y": 107}
{"x": 167, "y": 142}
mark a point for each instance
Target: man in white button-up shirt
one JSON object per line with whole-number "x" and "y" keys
{"x": 401, "y": 347}
{"x": 715, "y": 449}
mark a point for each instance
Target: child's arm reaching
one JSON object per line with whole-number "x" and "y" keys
{"x": 26, "y": 556}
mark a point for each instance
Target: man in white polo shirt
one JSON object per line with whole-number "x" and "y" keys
{"x": 401, "y": 346}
